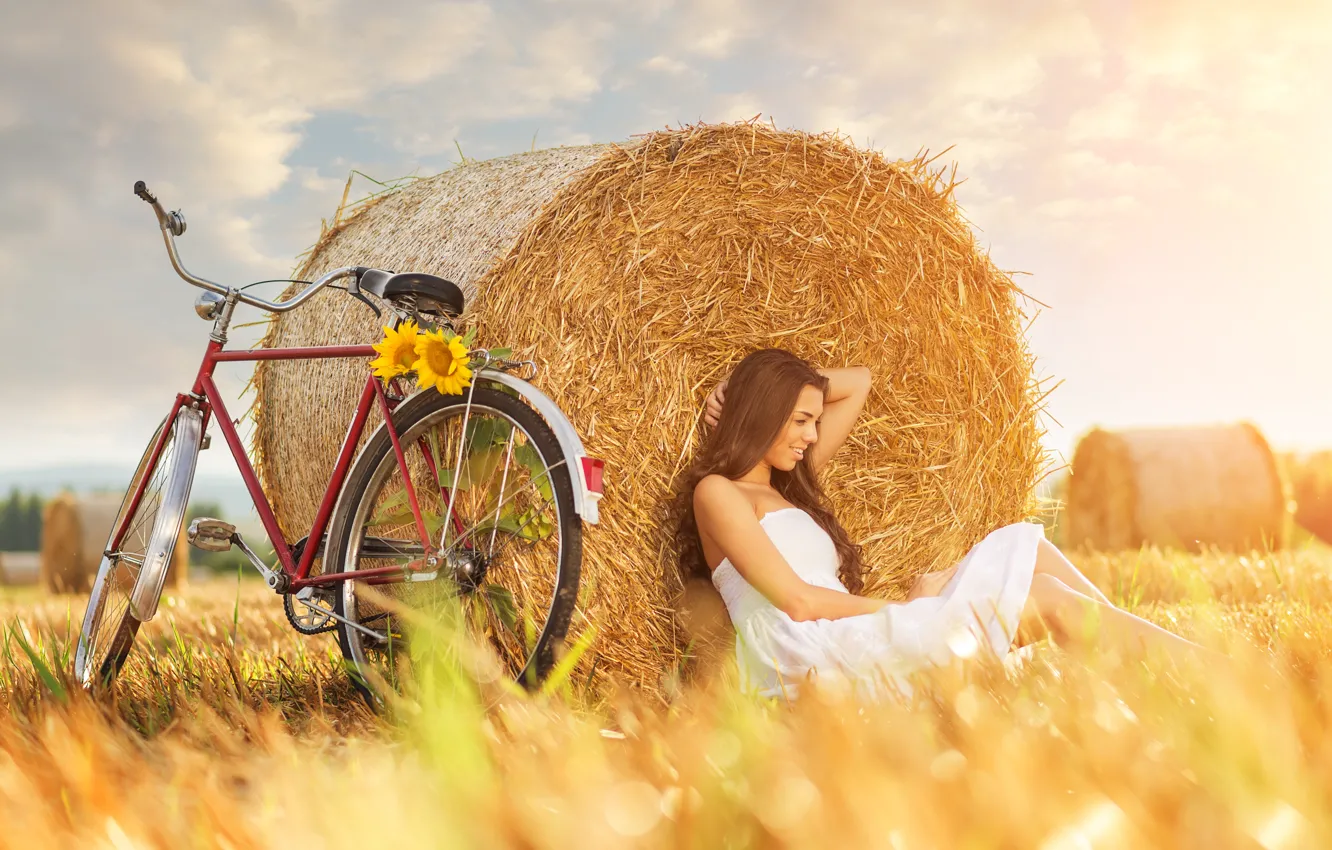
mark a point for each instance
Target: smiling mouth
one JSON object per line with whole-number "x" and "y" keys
{"x": 800, "y": 453}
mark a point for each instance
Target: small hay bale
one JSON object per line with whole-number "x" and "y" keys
{"x": 638, "y": 275}
{"x": 75, "y": 529}
{"x": 1183, "y": 488}
{"x": 20, "y": 568}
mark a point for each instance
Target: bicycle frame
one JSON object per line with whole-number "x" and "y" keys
{"x": 205, "y": 397}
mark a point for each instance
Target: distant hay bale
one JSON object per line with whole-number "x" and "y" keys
{"x": 1183, "y": 488}
{"x": 1311, "y": 485}
{"x": 1052, "y": 495}
{"x": 20, "y": 568}
{"x": 636, "y": 276}
{"x": 75, "y": 530}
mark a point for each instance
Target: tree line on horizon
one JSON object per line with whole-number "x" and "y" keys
{"x": 21, "y": 522}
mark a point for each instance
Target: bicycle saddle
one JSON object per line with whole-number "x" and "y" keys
{"x": 426, "y": 293}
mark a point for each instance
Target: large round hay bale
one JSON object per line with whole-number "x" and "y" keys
{"x": 75, "y": 529}
{"x": 637, "y": 275}
{"x": 1184, "y": 488}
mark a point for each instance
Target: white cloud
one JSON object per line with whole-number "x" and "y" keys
{"x": 1084, "y": 208}
{"x": 569, "y": 138}
{"x": 536, "y": 73}
{"x": 666, "y": 65}
{"x": 717, "y": 28}
{"x": 1115, "y": 116}
{"x": 311, "y": 180}
{"x": 739, "y": 106}
{"x": 714, "y": 43}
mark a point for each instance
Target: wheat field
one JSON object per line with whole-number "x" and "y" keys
{"x": 230, "y": 730}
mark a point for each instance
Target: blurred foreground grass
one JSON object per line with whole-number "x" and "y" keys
{"x": 229, "y": 730}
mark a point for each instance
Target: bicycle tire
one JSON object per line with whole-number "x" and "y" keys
{"x": 154, "y": 528}
{"x": 377, "y": 460}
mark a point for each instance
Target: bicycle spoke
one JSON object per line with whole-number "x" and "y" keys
{"x": 485, "y": 485}
{"x": 147, "y": 514}
{"x": 518, "y": 534}
{"x": 533, "y": 483}
{"x": 508, "y": 454}
{"x": 108, "y": 622}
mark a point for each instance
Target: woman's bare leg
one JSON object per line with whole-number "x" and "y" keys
{"x": 1052, "y": 562}
{"x": 1077, "y": 618}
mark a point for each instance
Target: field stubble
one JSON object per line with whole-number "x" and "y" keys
{"x": 229, "y": 730}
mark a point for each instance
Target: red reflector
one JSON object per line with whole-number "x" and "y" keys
{"x": 592, "y": 473}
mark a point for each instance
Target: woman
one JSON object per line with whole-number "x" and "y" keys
{"x": 754, "y": 521}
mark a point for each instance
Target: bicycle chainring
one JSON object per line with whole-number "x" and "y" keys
{"x": 307, "y": 620}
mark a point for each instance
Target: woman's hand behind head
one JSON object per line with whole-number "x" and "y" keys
{"x": 713, "y": 405}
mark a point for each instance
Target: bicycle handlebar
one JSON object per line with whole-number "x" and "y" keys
{"x": 173, "y": 225}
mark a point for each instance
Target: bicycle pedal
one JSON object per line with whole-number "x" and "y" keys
{"x": 210, "y": 535}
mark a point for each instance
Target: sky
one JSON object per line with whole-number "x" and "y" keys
{"x": 1158, "y": 172}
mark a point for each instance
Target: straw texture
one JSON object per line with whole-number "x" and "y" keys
{"x": 640, "y": 276}
{"x": 1185, "y": 488}
{"x": 74, "y": 533}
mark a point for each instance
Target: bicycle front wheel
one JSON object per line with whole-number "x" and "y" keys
{"x": 509, "y": 552}
{"x": 135, "y": 561}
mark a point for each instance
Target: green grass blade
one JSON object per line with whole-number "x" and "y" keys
{"x": 560, "y": 675}
{"x": 40, "y": 667}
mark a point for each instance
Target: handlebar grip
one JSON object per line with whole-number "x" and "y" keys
{"x": 141, "y": 189}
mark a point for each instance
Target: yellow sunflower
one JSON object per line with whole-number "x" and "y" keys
{"x": 442, "y": 362}
{"x": 397, "y": 352}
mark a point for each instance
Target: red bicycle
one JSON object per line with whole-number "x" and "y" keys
{"x": 477, "y": 497}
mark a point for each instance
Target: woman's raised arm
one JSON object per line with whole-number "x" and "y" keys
{"x": 846, "y": 398}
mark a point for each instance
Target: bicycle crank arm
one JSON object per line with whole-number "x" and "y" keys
{"x": 276, "y": 580}
{"x": 214, "y": 535}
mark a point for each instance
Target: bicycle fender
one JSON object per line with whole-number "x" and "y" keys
{"x": 166, "y": 528}
{"x": 585, "y": 501}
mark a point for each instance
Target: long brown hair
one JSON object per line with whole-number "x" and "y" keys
{"x": 760, "y": 395}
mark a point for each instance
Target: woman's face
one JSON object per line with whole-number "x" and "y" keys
{"x": 800, "y": 433}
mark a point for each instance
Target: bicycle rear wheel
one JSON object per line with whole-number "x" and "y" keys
{"x": 134, "y": 563}
{"x": 510, "y": 552}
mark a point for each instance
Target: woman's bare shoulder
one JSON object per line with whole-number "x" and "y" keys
{"x": 717, "y": 495}
{"x": 713, "y": 488}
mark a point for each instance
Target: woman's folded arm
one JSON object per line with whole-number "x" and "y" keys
{"x": 821, "y": 603}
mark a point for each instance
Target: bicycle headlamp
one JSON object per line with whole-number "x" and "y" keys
{"x": 208, "y": 305}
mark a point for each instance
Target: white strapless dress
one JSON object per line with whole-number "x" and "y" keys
{"x": 976, "y": 612}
